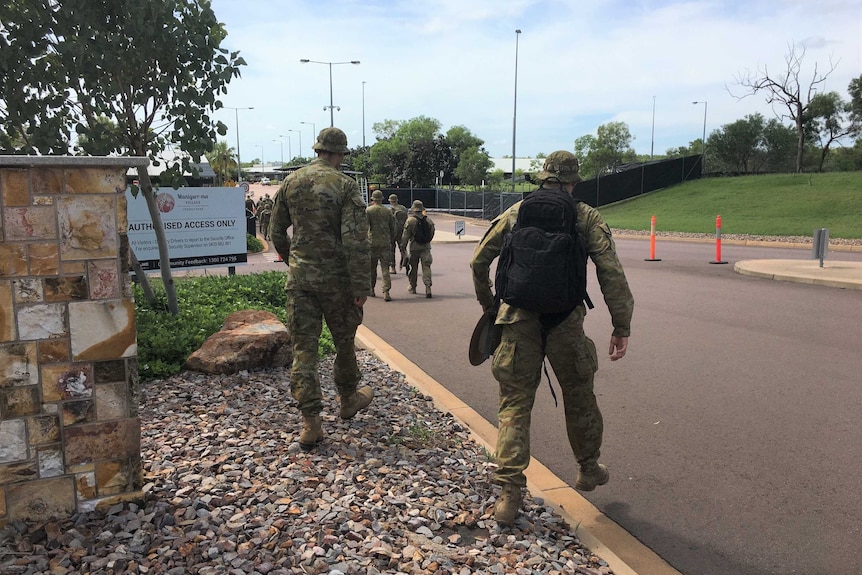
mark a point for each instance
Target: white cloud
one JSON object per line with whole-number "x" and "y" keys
{"x": 580, "y": 65}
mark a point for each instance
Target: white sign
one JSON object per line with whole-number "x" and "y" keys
{"x": 204, "y": 227}
{"x": 459, "y": 228}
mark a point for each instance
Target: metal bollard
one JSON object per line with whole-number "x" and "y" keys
{"x": 821, "y": 244}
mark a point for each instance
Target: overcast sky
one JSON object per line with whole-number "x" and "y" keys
{"x": 580, "y": 64}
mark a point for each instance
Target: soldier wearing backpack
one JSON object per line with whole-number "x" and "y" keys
{"x": 542, "y": 297}
{"x": 418, "y": 233}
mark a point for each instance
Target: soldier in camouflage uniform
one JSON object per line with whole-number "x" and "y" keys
{"x": 419, "y": 252}
{"x": 327, "y": 277}
{"x": 524, "y": 344}
{"x": 381, "y": 227}
{"x": 400, "y": 213}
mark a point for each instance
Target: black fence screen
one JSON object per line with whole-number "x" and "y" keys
{"x": 638, "y": 179}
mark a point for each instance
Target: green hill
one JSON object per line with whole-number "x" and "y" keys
{"x": 771, "y": 205}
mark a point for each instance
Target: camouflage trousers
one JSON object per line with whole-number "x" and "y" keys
{"x": 517, "y": 367}
{"x": 305, "y": 314}
{"x": 417, "y": 256}
{"x": 392, "y": 260}
{"x": 380, "y": 255}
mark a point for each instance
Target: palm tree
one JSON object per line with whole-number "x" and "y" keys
{"x": 222, "y": 161}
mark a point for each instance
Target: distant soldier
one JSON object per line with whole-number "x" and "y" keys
{"x": 381, "y": 230}
{"x": 528, "y": 336}
{"x": 416, "y": 238}
{"x": 400, "y": 213}
{"x": 328, "y": 267}
{"x": 264, "y": 212}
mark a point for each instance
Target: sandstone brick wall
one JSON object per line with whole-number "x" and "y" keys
{"x": 69, "y": 431}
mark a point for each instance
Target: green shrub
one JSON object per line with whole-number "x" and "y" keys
{"x": 165, "y": 340}
{"x": 253, "y": 244}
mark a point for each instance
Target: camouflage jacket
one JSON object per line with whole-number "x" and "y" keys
{"x": 400, "y": 213}
{"x": 600, "y": 247}
{"x": 410, "y": 230}
{"x": 329, "y": 247}
{"x": 381, "y": 226}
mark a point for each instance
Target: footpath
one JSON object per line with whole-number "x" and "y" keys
{"x": 623, "y": 552}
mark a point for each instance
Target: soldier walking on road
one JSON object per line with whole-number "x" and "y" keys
{"x": 527, "y": 337}
{"x": 327, "y": 277}
{"x": 417, "y": 235}
{"x": 400, "y": 213}
{"x": 381, "y": 227}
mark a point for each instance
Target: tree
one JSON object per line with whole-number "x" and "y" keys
{"x": 610, "y": 147}
{"x": 786, "y": 89}
{"x": 406, "y": 153}
{"x": 780, "y": 143}
{"x": 827, "y": 122}
{"x": 104, "y": 137}
{"x": 221, "y": 159}
{"x": 473, "y": 166}
{"x": 735, "y": 147}
{"x": 155, "y": 67}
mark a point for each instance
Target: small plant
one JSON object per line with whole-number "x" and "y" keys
{"x": 166, "y": 340}
{"x": 253, "y": 244}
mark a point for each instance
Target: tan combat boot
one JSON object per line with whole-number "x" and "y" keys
{"x": 591, "y": 476}
{"x": 507, "y": 505}
{"x": 312, "y": 432}
{"x": 428, "y": 292}
{"x": 386, "y": 296}
{"x": 356, "y": 402}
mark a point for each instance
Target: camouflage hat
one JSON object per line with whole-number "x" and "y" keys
{"x": 561, "y": 166}
{"x": 331, "y": 140}
{"x": 377, "y": 196}
{"x": 417, "y": 207}
{"x": 485, "y": 339}
{"x": 393, "y": 197}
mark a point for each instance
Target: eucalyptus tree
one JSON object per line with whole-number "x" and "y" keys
{"x": 154, "y": 67}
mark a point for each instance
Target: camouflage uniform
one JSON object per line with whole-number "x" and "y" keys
{"x": 381, "y": 226}
{"x": 418, "y": 252}
{"x": 518, "y": 359}
{"x": 400, "y": 213}
{"x": 328, "y": 266}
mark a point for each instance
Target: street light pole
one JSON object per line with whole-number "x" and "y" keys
{"x": 363, "y": 113}
{"x": 289, "y": 152}
{"x": 331, "y": 106}
{"x": 238, "y": 160}
{"x": 313, "y": 130}
{"x": 262, "y": 169}
{"x": 652, "y": 135}
{"x": 300, "y": 138}
{"x": 281, "y": 144}
{"x": 514, "y": 114}
{"x": 703, "y": 140}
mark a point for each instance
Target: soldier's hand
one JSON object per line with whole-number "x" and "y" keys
{"x": 618, "y": 347}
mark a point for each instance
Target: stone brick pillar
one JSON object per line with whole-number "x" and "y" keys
{"x": 69, "y": 429}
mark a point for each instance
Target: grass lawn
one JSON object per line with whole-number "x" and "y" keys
{"x": 773, "y": 205}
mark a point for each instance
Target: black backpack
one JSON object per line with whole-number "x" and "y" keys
{"x": 422, "y": 233}
{"x": 543, "y": 262}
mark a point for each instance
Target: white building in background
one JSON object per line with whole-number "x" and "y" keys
{"x": 527, "y": 165}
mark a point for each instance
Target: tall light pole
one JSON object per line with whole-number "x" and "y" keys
{"x": 331, "y": 107}
{"x": 281, "y": 144}
{"x": 262, "y": 169}
{"x": 289, "y": 152}
{"x": 238, "y": 160}
{"x": 514, "y": 114}
{"x": 363, "y": 113}
{"x": 703, "y": 140}
{"x": 300, "y": 140}
{"x": 652, "y": 134}
{"x": 313, "y": 130}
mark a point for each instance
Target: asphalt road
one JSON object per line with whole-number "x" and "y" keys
{"x": 732, "y": 427}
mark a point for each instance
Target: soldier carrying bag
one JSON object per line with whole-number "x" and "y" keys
{"x": 543, "y": 262}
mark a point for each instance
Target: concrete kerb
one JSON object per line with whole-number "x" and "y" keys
{"x": 625, "y": 554}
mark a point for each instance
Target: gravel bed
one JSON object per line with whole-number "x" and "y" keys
{"x": 401, "y": 488}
